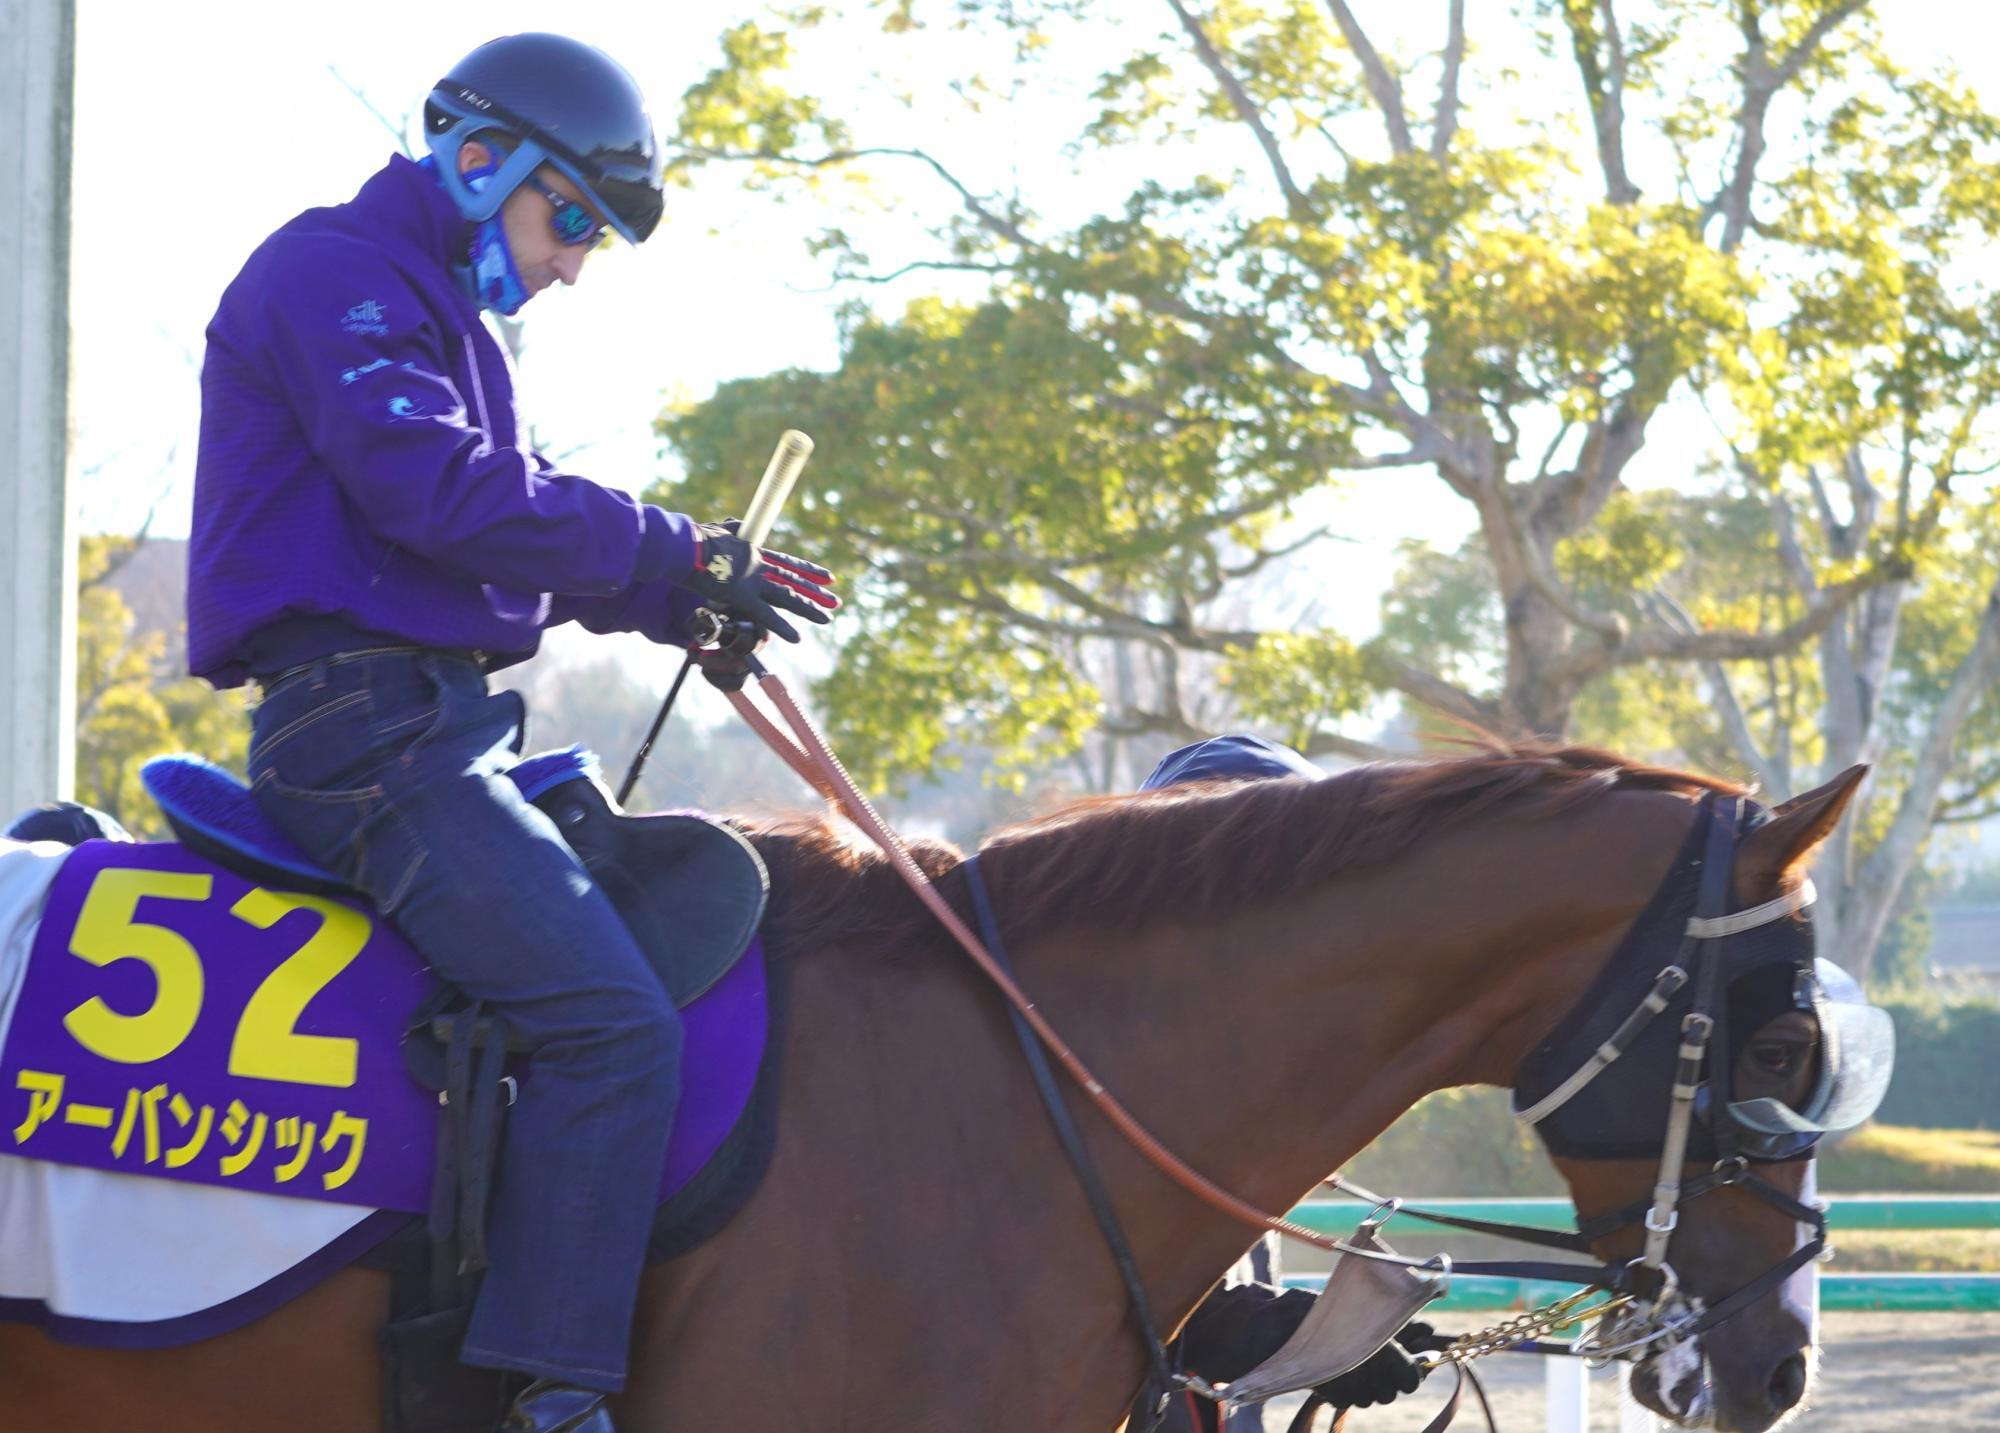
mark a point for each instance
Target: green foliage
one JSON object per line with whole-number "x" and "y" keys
{"x": 129, "y": 708}
{"x": 741, "y": 108}
{"x": 1300, "y": 684}
{"x": 1441, "y": 613}
{"x": 1111, "y": 449}
{"x": 1883, "y": 1158}
{"x": 996, "y": 517}
{"x": 1466, "y": 1144}
{"x": 907, "y": 698}
{"x": 1463, "y": 1142}
{"x": 1947, "y": 1064}
{"x": 1632, "y": 548}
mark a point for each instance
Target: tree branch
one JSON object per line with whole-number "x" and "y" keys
{"x": 1498, "y": 508}
{"x": 1264, "y": 557}
{"x": 1882, "y": 875}
{"x": 1324, "y": 743}
{"x": 990, "y": 221}
{"x": 1245, "y": 107}
{"x": 1795, "y": 59}
{"x": 1580, "y": 493}
{"x": 914, "y": 266}
{"x": 400, "y": 131}
{"x": 1445, "y": 128}
{"x": 1136, "y": 721}
{"x": 1439, "y": 695}
{"x": 1382, "y": 84}
{"x": 1734, "y": 720}
{"x": 1862, "y": 497}
{"x": 1791, "y": 556}
{"x": 1735, "y": 644}
{"x": 1954, "y": 816}
{"x": 1761, "y": 82}
{"x": 1604, "y": 87}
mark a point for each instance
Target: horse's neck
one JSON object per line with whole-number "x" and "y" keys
{"x": 1266, "y": 1047}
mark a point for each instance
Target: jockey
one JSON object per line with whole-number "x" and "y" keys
{"x": 372, "y": 536}
{"x": 1236, "y": 1328}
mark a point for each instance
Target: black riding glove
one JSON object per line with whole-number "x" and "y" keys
{"x": 1383, "y": 1376}
{"x": 741, "y": 580}
{"x": 723, "y": 650}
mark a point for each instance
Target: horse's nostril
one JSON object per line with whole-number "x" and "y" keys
{"x": 1788, "y": 1383}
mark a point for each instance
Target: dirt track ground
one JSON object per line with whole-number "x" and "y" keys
{"x": 1879, "y": 1373}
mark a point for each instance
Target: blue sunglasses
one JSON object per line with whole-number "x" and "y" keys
{"x": 573, "y": 224}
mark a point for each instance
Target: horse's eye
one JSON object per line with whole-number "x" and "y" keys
{"x": 1776, "y": 1057}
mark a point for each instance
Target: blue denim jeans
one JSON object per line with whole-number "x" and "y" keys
{"x": 390, "y": 769}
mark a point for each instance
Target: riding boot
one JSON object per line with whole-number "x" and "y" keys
{"x": 546, "y": 1406}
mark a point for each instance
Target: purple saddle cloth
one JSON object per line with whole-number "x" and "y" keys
{"x": 229, "y": 1016}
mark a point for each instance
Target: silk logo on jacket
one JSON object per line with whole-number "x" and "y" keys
{"x": 367, "y": 317}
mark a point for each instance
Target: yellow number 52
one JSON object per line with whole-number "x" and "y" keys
{"x": 267, "y": 1044}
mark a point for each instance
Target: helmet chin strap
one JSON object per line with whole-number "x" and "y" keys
{"x": 494, "y": 281}
{"x": 489, "y": 277}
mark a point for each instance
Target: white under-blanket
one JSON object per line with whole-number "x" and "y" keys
{"x": 90, "y": 1244}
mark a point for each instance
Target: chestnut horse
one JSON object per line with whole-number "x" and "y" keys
{"x": 1267, "y": 974}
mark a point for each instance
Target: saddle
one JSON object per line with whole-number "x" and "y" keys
{"x": 690, "y": 890}
{"x": 693, "y": 912}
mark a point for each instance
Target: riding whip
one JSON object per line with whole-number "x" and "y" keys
{"x": 788, "y": 460}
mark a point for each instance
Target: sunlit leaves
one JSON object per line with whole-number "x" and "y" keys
{"x": 999, "y": 479}
{"x": 742, "y": 107}
{"x": 912, "y": 694}
{"x": 128, "y": 708}
{"x": 1300, "y": 684}
{"x": 1102, "y": 448}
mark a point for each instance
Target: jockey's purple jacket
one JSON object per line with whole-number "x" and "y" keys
{"x": 362, "y": 477}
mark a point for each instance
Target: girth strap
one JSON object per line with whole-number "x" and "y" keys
{"x": 468, "y": 1150}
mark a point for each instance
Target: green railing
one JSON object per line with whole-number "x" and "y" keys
{"x": 1931, "y": 1293}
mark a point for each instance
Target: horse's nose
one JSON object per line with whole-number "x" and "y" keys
{"x": 1788, "y": 1383}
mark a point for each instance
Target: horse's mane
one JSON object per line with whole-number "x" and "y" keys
{"x": 1184, "y": 852}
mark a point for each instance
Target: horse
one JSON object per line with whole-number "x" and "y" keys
{"x": 1267, "y": 974}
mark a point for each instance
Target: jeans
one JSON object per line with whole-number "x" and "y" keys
{"x": 389, "y": 768}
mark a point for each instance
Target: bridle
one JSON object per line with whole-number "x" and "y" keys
{"x": 1659, "y": 1312}
{"x": 1663, "y": 1313}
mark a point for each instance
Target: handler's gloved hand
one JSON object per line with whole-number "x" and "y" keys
{"x": 723, "y": 652}
{"x": 753, "y": 582}
{"x": 1386, "y": 1374}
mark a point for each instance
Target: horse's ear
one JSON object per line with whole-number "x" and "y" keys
{"x": 1774, "y": 854}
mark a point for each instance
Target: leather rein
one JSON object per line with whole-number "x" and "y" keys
{"x": 805, "y": 751}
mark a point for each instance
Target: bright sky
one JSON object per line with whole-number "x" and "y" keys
{"x": 191, "y": 146}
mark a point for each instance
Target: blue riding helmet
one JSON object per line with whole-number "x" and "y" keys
{"x": 560, "y": 102}
{"x": 69, "y": 822}
{"x": 1236, "y": 757}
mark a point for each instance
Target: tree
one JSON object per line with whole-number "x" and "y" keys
{"x": 1123, "y": 431}
{"x": 129, "y": 706}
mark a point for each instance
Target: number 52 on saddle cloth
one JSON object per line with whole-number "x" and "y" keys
{"x": 220, "y": 1011}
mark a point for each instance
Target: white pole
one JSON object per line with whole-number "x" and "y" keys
{"x": 37, "y": 525}
{"x": 1568, "y": 1383}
